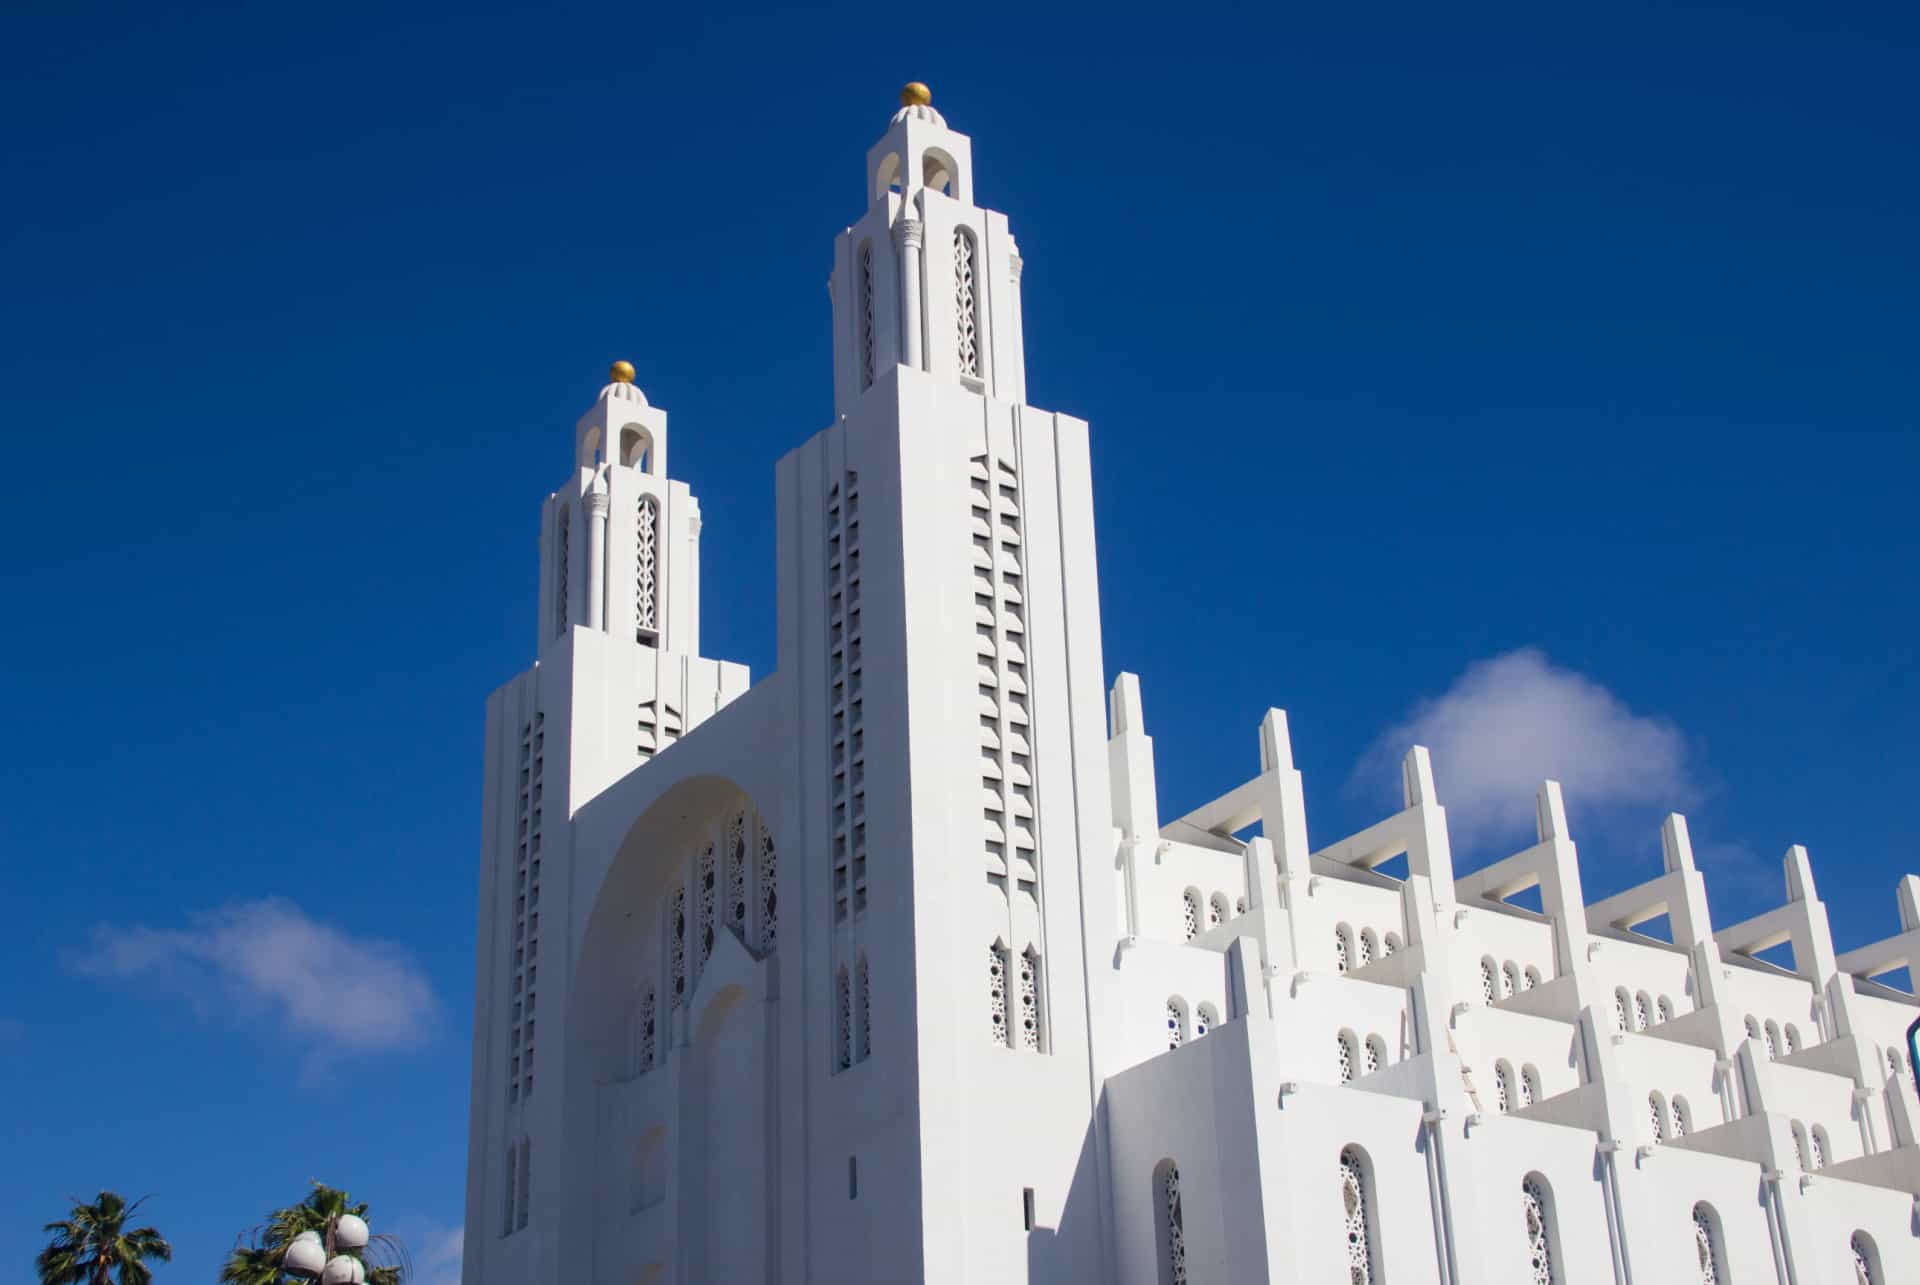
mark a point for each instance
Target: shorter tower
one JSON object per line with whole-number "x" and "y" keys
{"x": 618, "y": 677}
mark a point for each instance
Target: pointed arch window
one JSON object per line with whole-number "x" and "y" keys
{"x": 966, "y": 308}
{"x": 1706, "y": 1244}
{"x": 677, "y": 944}
{"x": 862, "y": 978}
{"x": 1172, "y": 1219}
{"x": 997, "y": 994}
{"x": 1030, "y": 1000}
{"x": 1356, "y": 1204}
{"x": 646, "y": 555}
{"x": 769, "y": 892}
{"x": 842, "y": 1022}
{"x": 1866, "y": 1260}
{"x": 867, "y": 367}
{"x": 1537, "y": 1204}
{"x": 644, "y": 1041}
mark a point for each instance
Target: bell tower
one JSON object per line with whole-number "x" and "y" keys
{"x": 926, "y": 279}
{"x": 940, "y": 622}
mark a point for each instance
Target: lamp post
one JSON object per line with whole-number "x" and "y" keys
{"x": 332, "y": 1258}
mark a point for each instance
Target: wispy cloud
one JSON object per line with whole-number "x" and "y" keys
{"x": 268, "y": 960}
{"x": 437, "y": 1250}
{"x": 1517, "y": 719}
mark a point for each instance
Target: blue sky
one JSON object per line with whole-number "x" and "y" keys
{"x": 1541, "y": 383}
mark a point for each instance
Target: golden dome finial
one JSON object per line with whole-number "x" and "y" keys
{"x": 915, "y": 94}
{"x": 622, "y": 372}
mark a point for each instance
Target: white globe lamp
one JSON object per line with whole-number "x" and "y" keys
{"x": 349, "y": 1232}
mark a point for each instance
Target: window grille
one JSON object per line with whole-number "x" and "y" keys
{"x": 643, "y": 1059}
{"x": 1366, "y": 946}
{"x": 1819, "y": 1144}
{"x": 737, "y": 876}
{"x": 1682, "y": 1117}
{"x": 1389, "y": 944}
{"x": 1773, "y": 1040}
{"x": 1657, "y": 1114}
{"x": 1640, "y": 1011}
{"x": 1486, "y": 981}
{"x": 1539, "y": 1235}
{"x": 1359, "y": 1218}
{"x": 1176, "y": 1230}
{"x": 1191, "y": 905}
{"x": 1531, "y": 978}
{"x": 1376, "y": 1053}
{"x": 1502, "y": 1087}
{"x": 1509, "y": 979}
{"x": 1345, "y": 1041}
{"x": 1619, "y": 1010}
{"x": 1340, "y": 949}
{"x": 1665, "y": 1009}
{"x": 966, "y": 311}
{"x": 708, "y": 880}
{"x": 1217, "y": 910}
{"x": 1529, "y": 1086}
{"x": 1176, "y": 1023}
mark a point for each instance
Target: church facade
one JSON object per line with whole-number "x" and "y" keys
{"x": 888, "y": 967}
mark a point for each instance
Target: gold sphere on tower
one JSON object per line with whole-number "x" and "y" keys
{"x": 915, "y": 94}
{"x": 622, "y": 372}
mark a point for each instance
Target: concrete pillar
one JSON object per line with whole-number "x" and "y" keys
{"x": 596, "y": 505}
{"x": 911, "y": 234}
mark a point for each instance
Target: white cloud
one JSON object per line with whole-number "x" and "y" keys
{"x": 1515, "y": 720}
{"x": 340, "y": 994}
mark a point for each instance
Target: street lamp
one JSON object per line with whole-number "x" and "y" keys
{"x": 332, "y": 1258}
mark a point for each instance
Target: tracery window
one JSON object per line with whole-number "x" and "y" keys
{"x": 1341, "y": 953}
{"x": 645, "y": 567}
{"x": 1486, "y": 981}
{"x": 1389, "y": 944}
{"x": 1682, "y": 1117}
{"x": 1217, "y": 910}
{"x": 1502, "y": 1087}
{"x": 737, "y": 876}
{"x": 1665, "y": 1009}
{"x": 1376, "y": 1054}
{"x": 1620, "y": 1009}
{"x": 965, "y": 306}
{"x": 842, "y": 1022}
{"x": 1531, "y": 978}
{"x": 1866, "y": 1263}
{"x": 866, "y": 1011}
{"x": 1640, "y": 1007}
{"x": 1190, "y": 904}
{"x": 1204, "y": 1020}
{"x": 1176, "y": 1022}
{"x": 1509, "y": 979}
{"x": 769, "y": 892}
{"x": 1773, "y": 1039}
{"x": 643, "y": 1055}
{"x": 1533, "y": 1197}
{"x": 707, "y": 883}
{"x": 1367, "y": 947}
{"x": 1347, "y": 1056}
{"x": 1819, "y": 1144}
{"x": 1529, "y": 1086}
{"x": 1029, "y": 1001}
{"x": 1657, "y": 1115}
{"x": 677, "y": 944}
{"x": 997, "y": 994}
{"x": 1354, "y": 1201}
{"x": 1793, "y": 1038}
{"x": 866, "y": 315}
{"x": 1706, "y": 1243}
{"x": 1176, "y": 1243}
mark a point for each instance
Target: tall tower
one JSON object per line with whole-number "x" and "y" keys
{"x": 939, "y": 619}
{"x": 618, "y": 677}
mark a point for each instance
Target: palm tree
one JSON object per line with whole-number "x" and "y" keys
{"x": 93, "y": 1246}
{"x": 259, "y": 1263}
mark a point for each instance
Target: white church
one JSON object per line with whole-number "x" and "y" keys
{"x": 889, "y": 967}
